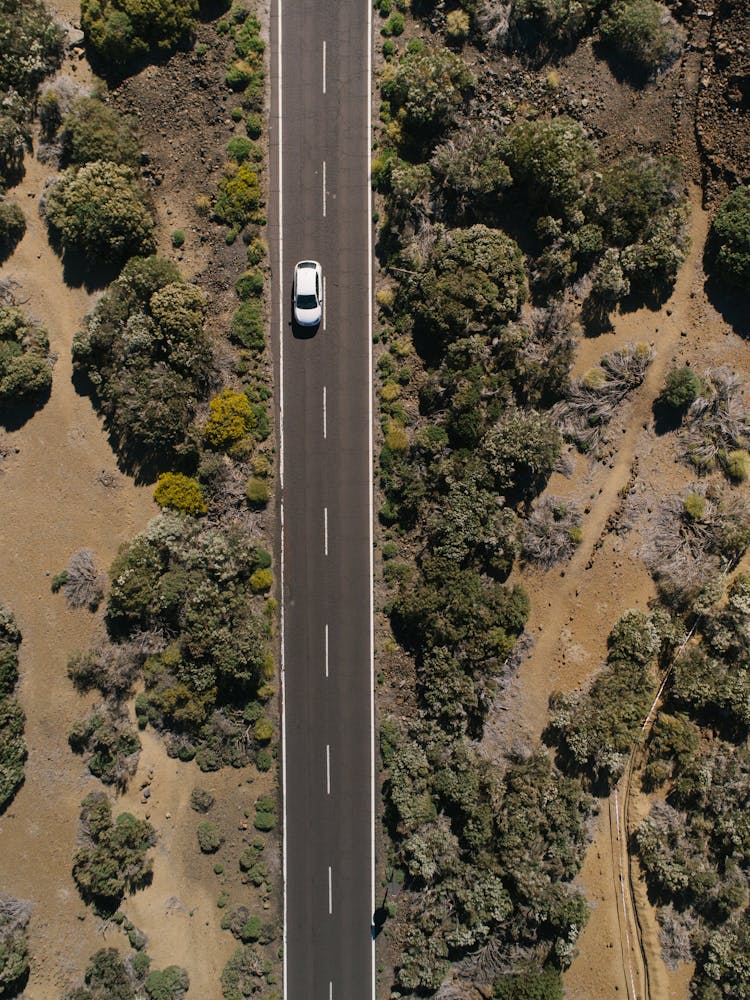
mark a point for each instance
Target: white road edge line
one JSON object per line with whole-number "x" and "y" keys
{"x": 328, "y": 769}
{"x": 368, "y": 167}
{"x": 325, "y": 414}
{"x": 326, "y": 650}
{"x": 282, "y": 665}
{"x": 324, "y": 193}
{"x": 324, "y": 67}
{"x": 330, "y": 891}
{"x": 325, "y": 529}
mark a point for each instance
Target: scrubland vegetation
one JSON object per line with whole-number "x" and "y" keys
{"x": 502, "y": 240}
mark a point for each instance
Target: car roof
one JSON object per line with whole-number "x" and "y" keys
{"x": 306, "y": 277}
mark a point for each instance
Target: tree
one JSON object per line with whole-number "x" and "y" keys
{"x": 93, "y": 131}
{"x": 731, "y": 233}
{"x": 120, "y": 32}
{"x": 427, "y": 89}
{"x": 113, "y": 859}
{"x": 520, "y": 452}
{"x": 100, "y": 210}
{"x": 30, "y": 45}
{"x": 12, "y": 226}
{"x": 470, "y": 165}
{"x": 641, "y": 34}
{"x": 549, "y": 160}
{"x": 682, "y": 387}
{"x": 145, "y": 350}
{"x": 25, "y": 370}
{"x": 471, "y": 280}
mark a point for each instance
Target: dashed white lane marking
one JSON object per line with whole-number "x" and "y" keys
{"x": 325, "y": 529}
{"x": 328, "y": 769}
{"x": 325, "y": 414}
{"x": 325, "y": 299}
{"x": 324, "y": 189}
{"x": 324, "y": 67}
{"x": 330, "y": 891}
{"x": 326, "y": 650}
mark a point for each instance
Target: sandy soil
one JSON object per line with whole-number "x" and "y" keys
{"x": 54, "y": 501}
{"x": 61, "y": 490}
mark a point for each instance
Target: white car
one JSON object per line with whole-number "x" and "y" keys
{"x": 307, "y": 293}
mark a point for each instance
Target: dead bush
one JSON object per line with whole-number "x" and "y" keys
{"x": 594, "y": 400}
{"x": 717, "y": 422}
{"x": 552, "y": 532}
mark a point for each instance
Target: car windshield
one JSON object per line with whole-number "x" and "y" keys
{"x": 306, "y": 301}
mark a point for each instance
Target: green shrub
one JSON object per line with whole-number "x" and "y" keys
{"x": 239, "y": 74}
{"x": 14, "y": 951}
{"x": 545, "y": 985}
{"x": 12, "y": 226}
{"x": 731, "y": 234}
{"x": 548, "y": 159}
{"x": 457, "y": 25}
{"x": 263, "y": 760}
{"x": 641, "y": 33}
{"x": 111, "y": 744}
{"x": 121, "y": 32}
{"x": 254, "y": 124}
{"x": 25, "y": 372}
{"x": 256, "y": 251}
{"x": 92, "y": 131}
{"x": 201, "y": 800}
{"x": 181, "y": 493}
{"x": 209, "y": 837}
{"x": 389, "y": 49}
{"x": 738, "y": 465}
{"x": 394, "y": 25}
{"x": 240, "y": 149}
{"x": 239, "y": 196}
{"x": 263, "y": 730}
{"x": 695, "y": 506}
{"x": 171, "y": 984}
{"x": 250, "y": 284}
{"x": 12, "y": 749}
{"x": 261, "y": 581}
{"x": 681, "y": 388}
{"x": 243, "y": 975}
{"x": 100, "y": 210}
{"x": 429, "y": 87}
{"x": 231, "y": 419}
{"x": 178, "y": 239}
{"x": 247, "y": 326}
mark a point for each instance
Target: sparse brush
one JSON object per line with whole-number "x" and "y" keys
{"x": 552, "y": 532}
{"x": 595, "y": 399}
{"x": 692, "y": 537}
{"x": 717, "y": 424}
{"x": 84, "y": 585}
{"x": 112, "y": 668}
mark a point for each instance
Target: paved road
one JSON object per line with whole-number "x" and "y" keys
{"x": 320, "y": 118}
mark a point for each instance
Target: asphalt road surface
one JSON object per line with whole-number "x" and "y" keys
{"x": 320, "y": 210}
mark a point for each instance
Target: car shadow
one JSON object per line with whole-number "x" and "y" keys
{"x": 303, "y": 332}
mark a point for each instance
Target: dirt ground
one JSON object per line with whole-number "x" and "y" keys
{"x": 61, "y": 490}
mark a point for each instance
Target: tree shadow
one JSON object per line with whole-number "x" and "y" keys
{"x": 14, "y": 416}
{"x": 666, "y": 417}
{"x": 732, "y": 304}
